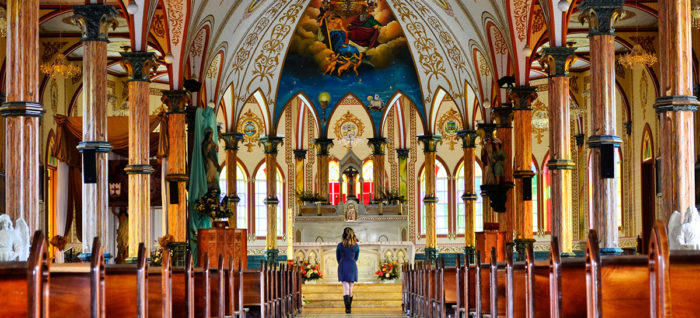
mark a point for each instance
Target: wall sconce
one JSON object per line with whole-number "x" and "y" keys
{"x": 324, "y": 98}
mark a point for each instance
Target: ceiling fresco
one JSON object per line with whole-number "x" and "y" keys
{"x": 363, "y": 53}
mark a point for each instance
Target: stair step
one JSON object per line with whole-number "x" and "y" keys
{"x": 367, "y": 295}
{"x": 359, "y": 304}
{"x": 357, "y": 297}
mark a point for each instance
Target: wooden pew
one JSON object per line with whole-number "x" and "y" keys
{"x": 515, "y": 287}
{"x": 183, "y": 289}
{"x": 234, "y": 290}
{"x": 202, "y": 290}
{"x": 160, "y": 289}
{"x": 496, "y": 286}
{"x": 217, "y": 288}
{"x": 25, "y": 285}
{"x": 537, "y": 286}
{"x": 72, "y": 284}
{"x": 126, "y": 288}
{"x": 616, "y": 285}
{"x": 673, "y": 277}
{"x": 437, "y": 299}
{"x": 567, "y": 284}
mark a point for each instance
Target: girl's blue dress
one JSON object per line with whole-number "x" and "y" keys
{"x": 347, "y": 262}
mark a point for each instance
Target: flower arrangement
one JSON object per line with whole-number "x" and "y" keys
{"x": 308, "y": 196}
{"x": 389, "y": 197}
{"x": 210, "y": 205}
{"x": 165, "y": 240}
{"x": 309, "y": 271}
{"x": 388, "y": 271}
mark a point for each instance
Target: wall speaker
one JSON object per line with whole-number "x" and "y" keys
{"x": 607, "y": 161}
{"x": 89, "y": 166}
{"x": 174, "y": 192}
{"x": 527, "y": 189}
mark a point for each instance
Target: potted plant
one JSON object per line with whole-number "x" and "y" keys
{"x": 388, "y": 272}
{"x": 211, "y": 205}
{"x": 310, "y": 273}
{"x": 308, "y": 197}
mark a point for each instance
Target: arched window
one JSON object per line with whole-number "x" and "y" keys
{"x": 478, "y": 215}
{"x": 241, "y": 190}
{"x": 334, "y": 184}
{"x": 367, "y": 183}
{"x": 546, "y": 195}
{"x": 442, "y": 194}
{"x": 533, "y": 167}
{"x": 261, "y": 208}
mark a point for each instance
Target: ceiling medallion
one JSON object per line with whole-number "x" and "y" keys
{"x": 59, "y": 66}
{"x": 638, "y": 56}
{"x": 250, "y": 125}
{"x": 349, "y": 130}
{"x": 448, "y": 125}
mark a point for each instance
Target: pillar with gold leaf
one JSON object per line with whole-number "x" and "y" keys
{"x": 270, "y": 144}
{"x": 430, "y": 143}
{"x": 299, "y": 157}
{"x": 469, "y": 196}
{"x": 231, "y": 140}
{"x": 601, "y": 16}
{"x": 323, "y": 146}
{"x": 176, "y": 101}
{"x": 378, "y": 146}
{"x": 522, "y": 98}
{"x": 140, "y": 66}
{"x": 557, "y": 61}
{"x": 402, "y": 154}
{"x": 95, "y": 21}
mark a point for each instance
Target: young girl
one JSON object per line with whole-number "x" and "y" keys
{"x": 347, "y": 253}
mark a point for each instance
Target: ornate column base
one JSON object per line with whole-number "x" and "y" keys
{"x": 611, "y": 251}
{"x": 470, "y": 251}
{"x": 271, "y": 256}
{"x": 520, "y": 248}
{"x": 431, "y": 254}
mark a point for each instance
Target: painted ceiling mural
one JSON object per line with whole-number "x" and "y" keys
{"x": 340, "y": 50}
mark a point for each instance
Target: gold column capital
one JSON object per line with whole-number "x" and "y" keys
{"x": 231, "y": 140}
{"x": 522, "y": 97}
{"x": 139, "y": 65}
{"x": 95, "y": 21}
{"x": 558, "y": 60}
{"x": 430, "y": 142}
{"x": 601, "y": 15}
{"x": 270, "y": 144}
{"x": 378, "y": 145}
{"x": 323, "y": 146}
{"x": 176, "y": 100}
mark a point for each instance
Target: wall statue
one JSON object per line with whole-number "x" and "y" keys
{"x": 14, "y": 243}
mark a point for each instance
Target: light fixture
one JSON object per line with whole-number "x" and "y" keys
{"x": 169, "y": 58}
{"x": 563, "y": 5}
{"x": 527, "y": 51}
{"x": 638, "y": 56}
{"x": 324, "y": 98}
{"x": 59, "y": 66}
{"x": 132, "y": 7}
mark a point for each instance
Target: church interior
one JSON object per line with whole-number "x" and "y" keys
{"x": 202, "y": 158}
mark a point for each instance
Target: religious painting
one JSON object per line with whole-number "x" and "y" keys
{"x": 250, "y": 126}
{"x": 344, "y": 47}
{"x": 54, "y": 96}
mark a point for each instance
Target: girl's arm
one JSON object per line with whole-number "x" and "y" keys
{"x": 357, "y": 252}
{"x": 337, "y": 253}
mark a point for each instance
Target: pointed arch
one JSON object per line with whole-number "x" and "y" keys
{"x": 647, "y": 144}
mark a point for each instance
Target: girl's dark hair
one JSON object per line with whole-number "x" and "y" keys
{"x": 349, "y": 238}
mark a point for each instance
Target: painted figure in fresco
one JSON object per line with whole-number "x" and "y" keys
{"x": 333, "y": 59}
{"x": 375, "y": 103}
{"x": 211, "y": 162}
{"x": 364, "y": 29}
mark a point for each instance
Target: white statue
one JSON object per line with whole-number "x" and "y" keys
{"x": 684, "y": 234}
{"x": 14, "y": 243}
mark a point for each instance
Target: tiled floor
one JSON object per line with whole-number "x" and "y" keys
{"x": 356, "y": 312}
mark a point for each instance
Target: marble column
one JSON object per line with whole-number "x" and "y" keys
{"x": 522, "y": 98}
{"x": 299, "y": 156}
{"x": 430, "y": 143}
{"x": 139, "y": 65}
{"x": 378, "y": 146}
{"x": 601, "y": 16}
{"x": 402, "y": 154}
{"x": 22, "y": 112}
{"x": 231, "y": 140}
{"x": 675, "y": 107}
{"x": 504, "y": 132}
{"x": 469, "y": 196}
{"x": 95, "y": 20}
{"x": 270, "y": 144}
{"x": 323, "y": 146}
{"x": 557, "y": 61}
{"x": 176, "y": 101}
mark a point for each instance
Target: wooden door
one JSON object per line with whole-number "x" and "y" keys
{"x": 648, "y": 202}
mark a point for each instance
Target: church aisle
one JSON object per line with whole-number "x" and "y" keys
{"x": 356, "y": 312}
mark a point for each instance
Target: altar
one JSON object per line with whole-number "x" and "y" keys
{"x": 371, "y": 255}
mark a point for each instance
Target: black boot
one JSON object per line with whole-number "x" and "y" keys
{"x": 349, "y": 304}
{"x": 346, "y": 299}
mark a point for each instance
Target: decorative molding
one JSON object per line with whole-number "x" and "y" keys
{"x": 448, "y": 125}
{"x": 349, "y": 127}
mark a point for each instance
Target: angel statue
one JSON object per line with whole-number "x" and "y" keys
{"x": 14, "y": 243}
{"x": 684, "y": 234}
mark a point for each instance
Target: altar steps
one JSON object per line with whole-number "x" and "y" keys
{"x": 367, "y": 295}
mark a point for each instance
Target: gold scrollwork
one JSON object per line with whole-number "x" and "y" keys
{"x": 251, "y": 126}
{"x": 448, "y": 125}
